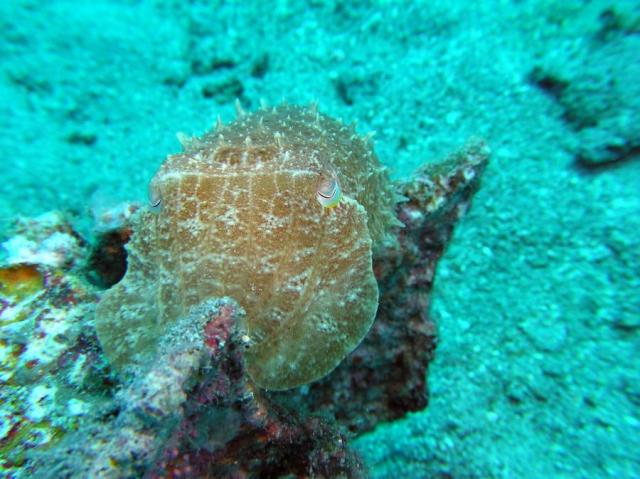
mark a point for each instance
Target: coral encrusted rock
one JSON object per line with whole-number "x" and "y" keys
{"x": 249, "y": 211}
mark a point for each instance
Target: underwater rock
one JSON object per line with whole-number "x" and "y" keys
{"x": 47, "y": 240}
{"x": 52, "y": 371}
{"x": 249, "y": 211}
{"x": 600, "y": 94}
{"x": 149, "y": 410}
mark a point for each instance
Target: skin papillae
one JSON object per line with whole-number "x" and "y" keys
{"x": 238, "y": 216}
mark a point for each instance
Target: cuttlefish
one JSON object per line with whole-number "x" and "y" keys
{"x": 279, "y": 210}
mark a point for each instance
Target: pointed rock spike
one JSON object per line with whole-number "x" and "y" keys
{"x": 219, "y": 124}
{"x": 263, "y": 104}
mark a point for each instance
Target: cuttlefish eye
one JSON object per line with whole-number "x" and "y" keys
{"x": 155, "y": 200}
{"x": 328, "y": 192}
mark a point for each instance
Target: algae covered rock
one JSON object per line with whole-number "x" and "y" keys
{"x": 240, "y": 213}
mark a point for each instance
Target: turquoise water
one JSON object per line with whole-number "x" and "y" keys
{"x": 537, "y": 299}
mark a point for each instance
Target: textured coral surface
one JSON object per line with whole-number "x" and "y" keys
{"x": 52, "y": 372}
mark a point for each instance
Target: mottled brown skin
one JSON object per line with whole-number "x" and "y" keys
{"x": 238, "y": 217}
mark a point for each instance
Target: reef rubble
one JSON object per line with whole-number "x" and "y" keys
{"x": 194, "y": 411}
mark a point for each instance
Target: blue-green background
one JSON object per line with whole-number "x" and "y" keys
{"x": 537, "y": 299}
